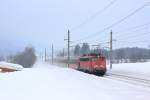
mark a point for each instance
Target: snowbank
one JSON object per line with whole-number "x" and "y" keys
{"x": 141, "y": 70}
{"x": 10, "y": 66}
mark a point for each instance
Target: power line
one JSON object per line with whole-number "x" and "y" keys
{"x": 130, "y": 33}
{"x": 133, "y": 35}
{"x": 132, "y": 43}
{"x": 134, "y": 27}
{"x": 120, "y": 33}
{"x": 94, "y": 16}
{"x": 127, "y": 39}
{"x": 116, "y": 23}
{"x": 117, "y": 34}
{"x": 141, "y": 41}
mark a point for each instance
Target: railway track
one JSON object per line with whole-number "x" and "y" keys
{"x": 129, "y": 79}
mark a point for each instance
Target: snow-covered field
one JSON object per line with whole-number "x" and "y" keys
{"x": 140, "y": 70}
{"x": 47, "y": 82}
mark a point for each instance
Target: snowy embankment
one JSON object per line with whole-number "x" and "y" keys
{"x": 46, "y": 82}
{"x": 10, "y": 66}
{"x": 140, "y": 70}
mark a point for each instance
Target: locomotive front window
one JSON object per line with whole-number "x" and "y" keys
{"x": 84, "y": 59}
{"x": 94, "y": 59}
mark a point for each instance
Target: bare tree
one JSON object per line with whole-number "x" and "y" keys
{"x": 26, "y": 58}
{"x": 77, "y": 50}
{"x": 85, "y": 48}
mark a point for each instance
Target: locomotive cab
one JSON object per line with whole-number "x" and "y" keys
{"x": 92, "y": 63}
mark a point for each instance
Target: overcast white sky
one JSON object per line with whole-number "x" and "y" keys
{"x": 43, "y": 22}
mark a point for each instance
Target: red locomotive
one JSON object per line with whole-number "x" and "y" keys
{"x": 92, "y": 63}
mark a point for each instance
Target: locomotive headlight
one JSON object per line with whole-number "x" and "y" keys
{"x": 102, "y": 66}
{"x": 96, "y": 66}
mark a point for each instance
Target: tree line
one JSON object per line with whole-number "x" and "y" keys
{"x": 26, "y": 58}
{"x": 134, "y": 54}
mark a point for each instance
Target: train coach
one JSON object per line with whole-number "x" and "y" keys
{"x": 92, "y": 63}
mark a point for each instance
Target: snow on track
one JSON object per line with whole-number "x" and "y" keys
{"x": 46, "y": 82}
{"x": 130, "y": 79}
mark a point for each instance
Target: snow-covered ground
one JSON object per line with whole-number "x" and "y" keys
{"x": 140, "y": 70}
{"x": 46, "y": 82}
{"x": 10, "y": 66}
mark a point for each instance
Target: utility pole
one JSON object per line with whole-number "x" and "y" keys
{"x": 68, "y": 48}
{"x": 45, "y": 55}
{"x": 52, "y": 54}
{"x": 63, "y": 52}
{"x": 41, "y": 56}
{"x": 68, "y": 40}
{"x": 111, "y": 50}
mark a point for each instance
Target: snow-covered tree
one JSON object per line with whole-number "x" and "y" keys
{"x": 77, "y": 50}
{"x": 26, "y": 58}
{"x": 85, "y": 48}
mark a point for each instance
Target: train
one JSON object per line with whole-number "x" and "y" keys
{"x": 92, "y": 63}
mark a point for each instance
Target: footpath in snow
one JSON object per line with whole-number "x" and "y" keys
{"x": 47, "y": 82}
